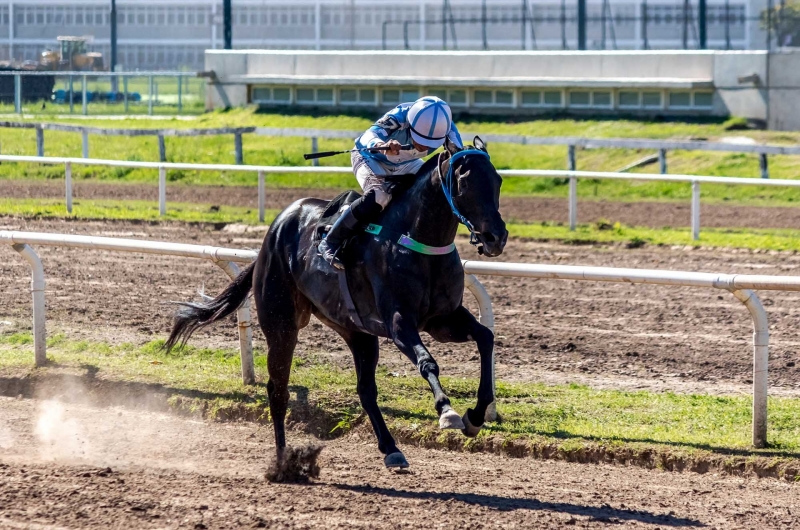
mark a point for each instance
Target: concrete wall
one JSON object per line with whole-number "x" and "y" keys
{"x": 753, "y": 84}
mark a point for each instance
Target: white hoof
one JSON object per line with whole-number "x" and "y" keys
{"x": 469, "y": 430}
{"x": 396, "y": 461}
{"x": 450, "y": 420}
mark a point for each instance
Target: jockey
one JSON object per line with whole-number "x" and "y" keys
{"x": 424, "y": 124}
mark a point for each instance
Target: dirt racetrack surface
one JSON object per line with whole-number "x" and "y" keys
{"x": 606, "y": 335}
{"x": 525, "y": 209}
{"x": 80, "y": 466}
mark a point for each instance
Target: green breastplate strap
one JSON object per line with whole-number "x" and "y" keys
{"x": 409, "y": 243}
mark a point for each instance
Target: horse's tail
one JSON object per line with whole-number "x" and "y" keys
{"x": 192, "y": 316}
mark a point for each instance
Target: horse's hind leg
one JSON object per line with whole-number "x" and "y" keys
{"x": 282, "y": 312}
{"x": 365, "y": 354}
{"x": 461, "y": 326}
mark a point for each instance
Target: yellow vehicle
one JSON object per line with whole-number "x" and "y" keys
{"x": 72, "y": 56}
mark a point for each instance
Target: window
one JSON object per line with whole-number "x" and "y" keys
{"x": 305, "y": 95}
{"x": 348, "y": 95}
{"x": 391, "y": 96}
{"x": 483, "y": 97}
{"x": 601, "y": 99}
{"x": 282, "y": 94}
{"x": 366, "y": 95}
{"x": 579, "y": 99}
{"x": 651, "y": 100}
{"x": 262, "y": 93}
{"x": 409, "y": 95}
{"x": 504, "y": 97}
{"x": 552, "y": 98}
{"x": 628, "y": 99}
{"x": 680, "y": 99}
{"x": 438, "y": 92}
{"x": 457, "y": 97}
{"x": 325, "y": 95}
{"x": 531, "y": 98}
{"x": 703, "y": 99}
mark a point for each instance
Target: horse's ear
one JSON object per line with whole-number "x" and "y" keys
{"x": 450, "y": 146}
{"x": 480, "y": 144}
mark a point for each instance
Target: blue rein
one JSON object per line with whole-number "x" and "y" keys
{"x": 448, "y": 184}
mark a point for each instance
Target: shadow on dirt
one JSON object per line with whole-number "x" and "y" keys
{"x": 506, "y": 504}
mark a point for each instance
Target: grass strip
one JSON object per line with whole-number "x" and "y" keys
{"x": 569, "y": 422}
{"x": 599, "y": 233}
{"x": 286, "y": 151}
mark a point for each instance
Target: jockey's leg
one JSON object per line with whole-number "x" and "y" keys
{"x": 360, "y": 212}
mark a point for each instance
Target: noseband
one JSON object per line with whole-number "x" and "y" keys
{"x": 447, "y": 184}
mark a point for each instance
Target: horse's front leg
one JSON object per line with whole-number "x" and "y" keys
{"x": 406, "y": 337}
{"x": 461, "y": 326}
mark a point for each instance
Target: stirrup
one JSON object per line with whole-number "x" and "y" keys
{"x": 330, "y": 255}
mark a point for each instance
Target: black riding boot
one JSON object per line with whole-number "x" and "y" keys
{"x": 341, "y": 230}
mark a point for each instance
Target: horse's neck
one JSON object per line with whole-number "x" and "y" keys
{"x": 425, "y": 214}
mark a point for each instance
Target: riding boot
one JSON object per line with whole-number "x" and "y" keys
{"x": 341, "y": 230}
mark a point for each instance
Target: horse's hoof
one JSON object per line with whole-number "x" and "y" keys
{"x": 396, "y": 461}
{"x": 469, "y": 430}
{"x": 450, "y": 420}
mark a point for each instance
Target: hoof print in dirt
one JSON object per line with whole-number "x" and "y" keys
{"x": 297, "y": 465}
{"x": 396, "y": 462}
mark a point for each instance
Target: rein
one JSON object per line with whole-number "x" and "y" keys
{"x": 447, "y": 184}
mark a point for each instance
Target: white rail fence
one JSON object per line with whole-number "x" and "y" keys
{"x": 741, "y": 286}
{"x": 571, "y": 143}
{"x": 573, "y": 176}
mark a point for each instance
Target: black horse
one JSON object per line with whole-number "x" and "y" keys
{"x": 397, "y": 291}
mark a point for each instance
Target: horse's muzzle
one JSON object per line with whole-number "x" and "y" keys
{"x": 491, "y": 244}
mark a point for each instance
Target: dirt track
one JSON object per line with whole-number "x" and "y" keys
{"x": 527, "y": 209}
{"x": 614, "y": 335}
{"x": 78, "y": 466}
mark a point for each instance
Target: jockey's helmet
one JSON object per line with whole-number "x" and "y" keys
{"x": 430, "y": 120}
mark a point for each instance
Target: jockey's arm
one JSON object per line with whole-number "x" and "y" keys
{"x": 455, "y": 136}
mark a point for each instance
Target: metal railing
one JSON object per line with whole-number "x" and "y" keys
{"x": 122, "y": 88}
{"x": 740, "y": 285}
{"x": 262, "y": 171}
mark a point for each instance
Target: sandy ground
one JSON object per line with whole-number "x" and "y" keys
{"x": 80, "y": 466}
{"x": 612, "y": 335}
{"x": 527, "y": 209}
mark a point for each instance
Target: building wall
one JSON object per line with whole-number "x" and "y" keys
{"x": 757, "y": 85}
{"x": 171, "y": 34}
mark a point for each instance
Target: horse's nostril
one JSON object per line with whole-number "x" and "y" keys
{"x": 488, "y": 237}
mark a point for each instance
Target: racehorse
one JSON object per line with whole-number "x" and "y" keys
{"x": 399, "y": 285}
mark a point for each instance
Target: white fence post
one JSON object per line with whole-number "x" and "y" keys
{"x": 695, "y": 210}
{"x": 245, "y": 330}
{"x": 573, "y": 203}
{"x": 162, "y": 191}
{"x": 84, "y": 98}
{"x": 18, "y": 94}
{"x": 85, "y": 142}
{"x": 261, "y": 197}
{"x": 314, "y": 149}
{"x": 37, "y": 292}
{"x": 68, "y": 185}
{"x": 760, "y": 364}
{"x": 39, "y": 141}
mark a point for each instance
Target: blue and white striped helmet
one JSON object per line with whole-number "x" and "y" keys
{"x": 430, "y": 120}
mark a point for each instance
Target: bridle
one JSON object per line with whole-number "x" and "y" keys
{"x": 447, "y": 184}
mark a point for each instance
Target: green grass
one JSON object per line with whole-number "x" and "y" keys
{"x": 562, "y": 414}
{"x": 129, "y": 210}
{"x": 288, "y": 151}
{"x": 768, "y": 239}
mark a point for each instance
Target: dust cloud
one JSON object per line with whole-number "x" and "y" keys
{"x": 60, "y": 437}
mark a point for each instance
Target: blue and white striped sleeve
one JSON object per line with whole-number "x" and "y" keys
{"x": 384, "y": 127}
{"x": 455, "y": 136}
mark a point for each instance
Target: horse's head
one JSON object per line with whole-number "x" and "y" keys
{"x": 474, "y": 185}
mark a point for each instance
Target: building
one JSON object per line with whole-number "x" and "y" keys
{"x": 170, "y": 34}
{"x": 758, "y": 85}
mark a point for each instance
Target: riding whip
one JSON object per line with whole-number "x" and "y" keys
{"x": 310, "y": 156}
